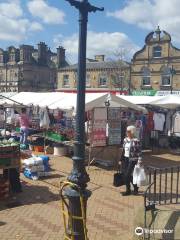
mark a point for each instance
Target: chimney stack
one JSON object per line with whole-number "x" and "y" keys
{"x": 42, "y": 53}
{"x": 61, "y": 56}
{"x": 100, "y": 58}
{"x": 26, "y": 53}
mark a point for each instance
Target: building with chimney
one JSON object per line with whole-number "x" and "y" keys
{"x": 101, "y": 76}
{"x": 156, "y": 67}
{"x": 29, "y": 69}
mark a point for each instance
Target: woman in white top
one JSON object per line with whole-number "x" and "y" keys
{"x": 130, "y": 157}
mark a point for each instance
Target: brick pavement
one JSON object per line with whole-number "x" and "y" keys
{"x": 36, "y": 212}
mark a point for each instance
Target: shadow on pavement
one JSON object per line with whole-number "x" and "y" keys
{"x": 31, "y": 194}
{"x": 171, "y": 224}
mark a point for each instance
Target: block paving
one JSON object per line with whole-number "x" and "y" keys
{"x": 35, "y": 214}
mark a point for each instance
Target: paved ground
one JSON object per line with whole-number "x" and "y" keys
{"x": 35, "y": 213}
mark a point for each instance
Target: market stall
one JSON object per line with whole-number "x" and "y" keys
{"x": 167, "y": 121}
{"x": 107, "y": 119}
{"x": 9, "y": 150}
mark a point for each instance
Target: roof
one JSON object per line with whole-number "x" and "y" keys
{"x": 98, "y": 65}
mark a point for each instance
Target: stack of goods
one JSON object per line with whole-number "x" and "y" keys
{"x": 4, "y": 188}
{"x": 36, "y": 167}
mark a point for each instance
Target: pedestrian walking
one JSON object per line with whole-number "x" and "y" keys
{"x": 131, "y": 156}
{"x": 24, "y": 126}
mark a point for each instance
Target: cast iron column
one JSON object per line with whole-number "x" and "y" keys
{"x": 78, "y": 174}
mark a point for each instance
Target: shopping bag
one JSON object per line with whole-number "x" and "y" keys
{"x": 136, "y": 173}
{"x": 142, "y": 178}
{"x": 118, "y": 179}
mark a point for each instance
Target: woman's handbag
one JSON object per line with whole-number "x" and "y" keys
{"x": 118, "y": 179}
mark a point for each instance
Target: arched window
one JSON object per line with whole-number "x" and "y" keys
{"x": 166, "y": 76}
{"x": 146, "y": 76}
{"x": 157, "y": 51}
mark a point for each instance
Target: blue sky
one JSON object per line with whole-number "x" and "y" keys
{"x": 123, "y": 25}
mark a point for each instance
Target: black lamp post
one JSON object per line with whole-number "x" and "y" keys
{"x": 173, "y": 72}
{"x": 78, "y": 174}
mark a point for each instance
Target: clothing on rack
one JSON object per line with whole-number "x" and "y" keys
{"x": 150, "y": 121}
{"x": 44, "y": 119}
{"x": 159, "y": 120}
{"x": 168, "y": 121}
{"x": 176, "y": 122}
{"x": 10, "y": 115}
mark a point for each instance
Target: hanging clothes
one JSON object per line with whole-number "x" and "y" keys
{"x": 44, "y": 118}
{"x": 159, "y": 120}
{"x": 150, "y": 122}
{"x": 10, "y": 115}
{"x": 168, "y": 125}
{"x": 176, "y": 123}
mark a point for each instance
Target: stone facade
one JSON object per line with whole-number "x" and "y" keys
{"x": 157, "y": 65}
{"x": 29, "y": 69}
{"x": 100, "y": 75}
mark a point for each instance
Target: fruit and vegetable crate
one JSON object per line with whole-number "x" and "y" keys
{"x": 9, "y": 156}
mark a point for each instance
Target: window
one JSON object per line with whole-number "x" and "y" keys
{"x": 166, "y": 76}
{"x": 12, "y": 57}
{"x": 146, "y": 77}
{"x": 88, "y": 80}
{"x": 103, "y": 81}
{"x": 157, "y": 51}
{"x": 66, "y": 80}
{"x": 12, "y": 75}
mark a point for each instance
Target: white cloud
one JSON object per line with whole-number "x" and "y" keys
{"x": 48, "y": 14}
{"x": 97, "y": 43}
{"x": 147, "y": 14}
{"x": 6, "y": 9}
{"x": 35, "y": 26}
{"x": 13, "y": 26}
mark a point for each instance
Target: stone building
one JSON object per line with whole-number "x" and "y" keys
{"x": 29, "y": 69}
{"x": 101, "y": 76}
{"x": 156, "y": 67}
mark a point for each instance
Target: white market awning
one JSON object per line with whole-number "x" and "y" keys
{"x": 114, "y": 101}
{"x": 169, "y": 102}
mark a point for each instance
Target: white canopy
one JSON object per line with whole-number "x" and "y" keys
{"x": 170, "y": 102}
{"x": 67, "y": 101}
{"x": 6, "y": 100}
{"x": 52, "y": 100}
{"x": 140, "y": 100}
{"x": 114, "y": 101}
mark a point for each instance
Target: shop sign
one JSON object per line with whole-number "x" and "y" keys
{"x": 144, "y": 92}
{"x": 164, "y": 93}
